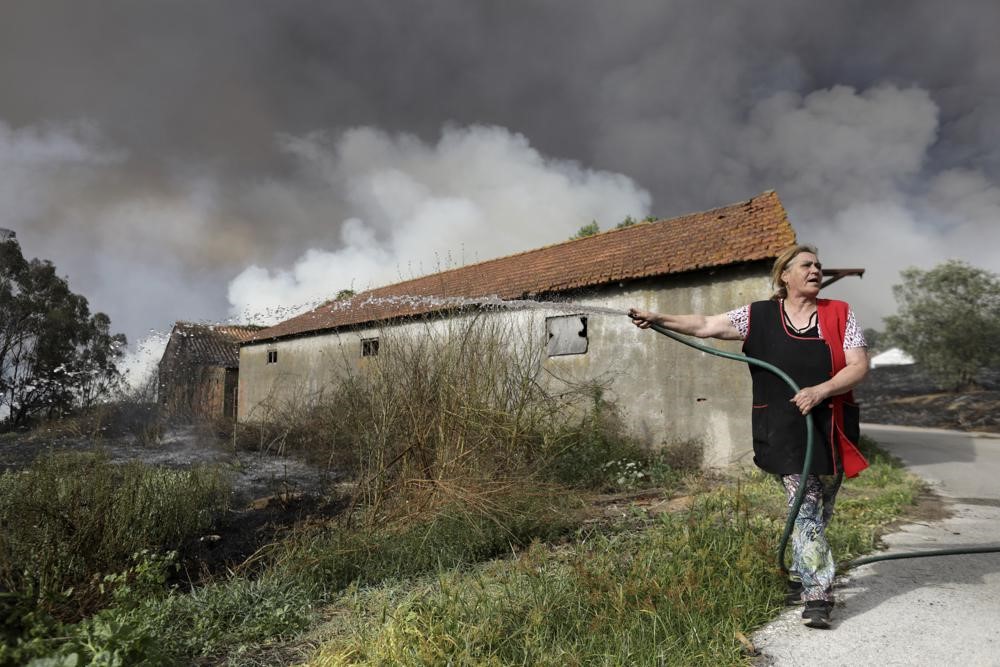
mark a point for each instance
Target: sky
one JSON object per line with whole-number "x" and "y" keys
{"x": 234, "y": 161}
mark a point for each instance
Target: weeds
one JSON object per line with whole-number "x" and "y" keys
{"x": 454, "y": 405}
{"x": 674, "y": 594}
{"x": 72, "y": 516}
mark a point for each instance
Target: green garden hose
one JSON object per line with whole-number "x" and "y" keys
{"x": 807, "y": 462}
{"x": 807, "y": 465}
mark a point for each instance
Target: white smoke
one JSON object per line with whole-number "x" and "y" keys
{"x": 139, "y": 363}
{"x": 478, "y": 193}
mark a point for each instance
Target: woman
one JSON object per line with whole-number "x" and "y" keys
{"x": 819, "y": 344}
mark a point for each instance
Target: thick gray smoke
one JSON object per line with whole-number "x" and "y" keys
{"x": 189, "y": 160}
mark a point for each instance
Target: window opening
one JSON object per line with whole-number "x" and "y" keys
{"x": 566, "y": 334}
{"x": 369, "y": 347}
{"x": 272, "y": 356}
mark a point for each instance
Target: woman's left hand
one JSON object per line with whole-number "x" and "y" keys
{"x": 808, "y": 398}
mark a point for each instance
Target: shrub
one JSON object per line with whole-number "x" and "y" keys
{"x": 72, "y": 516}
{"x": 593, "y": 452}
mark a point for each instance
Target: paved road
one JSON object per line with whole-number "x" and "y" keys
{"x": 934, "y": 612}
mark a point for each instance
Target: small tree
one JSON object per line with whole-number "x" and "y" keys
{"x": 586, "y": 230}
{"x": 948, "y": 320}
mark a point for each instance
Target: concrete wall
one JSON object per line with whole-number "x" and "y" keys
{"x": 304, "y": 367}
{"x": 667, "y": 391}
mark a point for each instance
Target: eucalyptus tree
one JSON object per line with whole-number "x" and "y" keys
{"x": 54, "y": 354}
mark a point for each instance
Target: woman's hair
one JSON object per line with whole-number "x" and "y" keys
{"x": 782, "y": 263}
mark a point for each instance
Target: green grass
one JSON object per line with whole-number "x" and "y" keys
{"x": 620, "y": 599}
{"x": 678, "y": 593}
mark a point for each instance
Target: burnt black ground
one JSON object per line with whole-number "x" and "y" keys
{"x": 908, "y": 396}
{"x": 244, "y": 531}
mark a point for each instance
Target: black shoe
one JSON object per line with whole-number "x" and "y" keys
{"x": 817, "y": 613}
{"x": 793, "y": 592}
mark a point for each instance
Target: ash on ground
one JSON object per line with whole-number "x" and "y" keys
{"x": 255, "y": 474}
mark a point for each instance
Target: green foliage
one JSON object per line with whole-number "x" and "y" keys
{"x": 237, "y": 616}
{"x": 589, "y": 229}
{"x": 462, "y": 532}
{"x": 230, "y": 616}
{"x": 73, "y": 516}
{"x": 627, "y": 222}
{"x": 54, "y": 354}
{"x": 675, "y": 594}
{"x": 107, "y": 638}
{"x": 595, "y": 452}
{"x": 106, "y": 641}
{"x": 948, "y": 320}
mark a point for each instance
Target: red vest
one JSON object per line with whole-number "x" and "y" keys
{"x": 833, "y": 325}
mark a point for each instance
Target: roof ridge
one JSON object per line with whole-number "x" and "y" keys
{"x": 216, "y": 325}
{"x": 748, "y": 230}
{"x": 742, "y": 202}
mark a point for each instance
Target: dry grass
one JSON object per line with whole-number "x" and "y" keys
{"x": 444, "y": 412}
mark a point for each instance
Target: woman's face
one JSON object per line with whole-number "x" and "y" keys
{"x": 804, "y": 275}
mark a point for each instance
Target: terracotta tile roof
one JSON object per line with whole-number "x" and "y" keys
{"x": 755, "y": 229}
{"x": 207, "y": 344}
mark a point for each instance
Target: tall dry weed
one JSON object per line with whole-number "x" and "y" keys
{"x": 448, "y": 404}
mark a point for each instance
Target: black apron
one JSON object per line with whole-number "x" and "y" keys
{"x": 779, "y": 429}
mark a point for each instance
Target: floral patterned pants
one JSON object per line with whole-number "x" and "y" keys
{"x": 812, "y": 559}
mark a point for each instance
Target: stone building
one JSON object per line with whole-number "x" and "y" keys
{"x": 199, "y": 370}
{"x": 707, "y": 262}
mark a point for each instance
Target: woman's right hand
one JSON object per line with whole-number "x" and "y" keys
{"x": 641, "y": 318}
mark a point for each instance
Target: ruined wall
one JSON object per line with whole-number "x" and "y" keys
{"x": 667, "y": 392}
{"x": 190, "y": 392}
